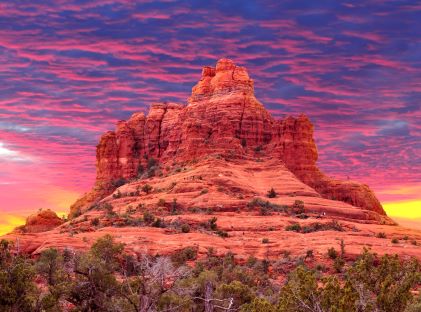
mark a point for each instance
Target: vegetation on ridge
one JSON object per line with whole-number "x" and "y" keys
{"x": 107, "y": 279}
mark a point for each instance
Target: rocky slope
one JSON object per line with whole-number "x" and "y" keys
{"x": 222, "y": 117}
{"x": 162, "y": 179}
{"x": 42, "y": 221}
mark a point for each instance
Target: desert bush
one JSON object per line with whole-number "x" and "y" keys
{"x": 185, "y": 228}
{"x": 271, "y": 193}
{"x": 212, "y": 223}
{"x": 117, "y": 195}
{"x": 95, "y": 221}
{"x": 147, "y": 188}
{"x": 298, "y": 207}
{"x": 381, "y": 235}
{"x": 159, "y": 223}
{"x": 332, "y": 253}
{"x": 222, "y": 233}
{"x": 148, "y": 218}
{"x": 265, "y": 240}
{"x": 118, "y": 182}
{"x": 266, "y": 205}
{"x": 186, "y": 254}
{"x": 296, "y": 227}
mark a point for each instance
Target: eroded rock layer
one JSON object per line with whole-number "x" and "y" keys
{"x": 222, "y": 117}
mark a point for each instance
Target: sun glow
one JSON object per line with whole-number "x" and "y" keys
{"x": 8, "y": 222}
{"x": 404, "y": 209}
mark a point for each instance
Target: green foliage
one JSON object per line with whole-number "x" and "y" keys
{"x": 18, "y": 291}
{"x": 118, "y": 194}
{"x": 106, "y": 249}
{"x": 258, "y": 305}
{"x": 298, "y": 207}
{"x": 395, "y": 240}
{"x": 338, "y": 264}
{"x": 158, "y": 223}
{"x": 265, "y": 240}
{"x": 147, "y": 188}
{"x": 95, "y": 221}
{"x": 266, "y": 206}
{"x": 212, "y": 223}
{"x": 161, "y": 202}
{"x": 118, "y": 182}
{"x": 221, "y": 233}
{"x": 185, "y": 228}
{"x": 332, "y": 253}
{"x": 107, "y": 279}
{"x": 381, "y": 235}
{"x": 186, "y": 254}
{"x": 295, "y": 227}
{"x": 151, "y": 163}
{"x": 148, "y": 217}
{"x": 174, "y": 207}
{"x": 240, "y": 293}
{"x": 140, "y": 171}
{"x": 271, "y": 193}
{"x": 48, "y": 265}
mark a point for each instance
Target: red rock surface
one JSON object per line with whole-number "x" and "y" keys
{"x": 42, "y": 221}
{"x": 222, "y": 117}
{"x": 217, "y": 156}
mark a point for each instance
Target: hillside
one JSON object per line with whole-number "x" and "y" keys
{"x": 220, "y": 172}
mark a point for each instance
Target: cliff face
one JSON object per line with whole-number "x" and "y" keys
{"x": 222, "y": 117}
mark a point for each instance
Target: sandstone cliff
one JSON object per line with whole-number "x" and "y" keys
{"x": 221, "y": 118}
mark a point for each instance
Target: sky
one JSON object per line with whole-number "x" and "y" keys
{"x": 69, "y": 70}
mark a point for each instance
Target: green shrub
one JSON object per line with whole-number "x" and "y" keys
{"x": 117, "y": 195}
{"x": 296, "y": 227}
{"x": 185, "y": 228}
{"x": 118, "y": 182}
{"x": 271, "y": 193}
{"x": 381, "y": 235}
{"x": 266, "y": 205}
{"x": 298, "y": 207}
{"x": 265, "y": 240}
{"x": 395, "y": 241}
{"x": 204, "y": 191}
{"x": 332, "y": 253}
{"x": 147, "y": 188}
{"x": 161, "y": 202}
{"x": 158, "y": 223}
{"x": 186, "y": 254}
{"x": 338, "y": 264}
{"x": 95, "y": 222}
{"x": 148, "y": 218}
{"x": 212, "y": 223}
{"x": 221, "y": 233}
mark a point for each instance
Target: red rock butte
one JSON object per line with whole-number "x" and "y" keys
{"x": 222, "y": 119}
{"x": 218, "y": 156}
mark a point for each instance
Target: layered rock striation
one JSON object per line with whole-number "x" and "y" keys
{"x": 222, "y": 118}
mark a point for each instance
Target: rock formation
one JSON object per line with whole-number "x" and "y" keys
{"x": 42, "y": 221}
{"x": 222, "y": 118}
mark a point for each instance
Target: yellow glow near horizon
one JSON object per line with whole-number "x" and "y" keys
{"x": 404, "y": 209}
{"x": 9, "y": 222}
